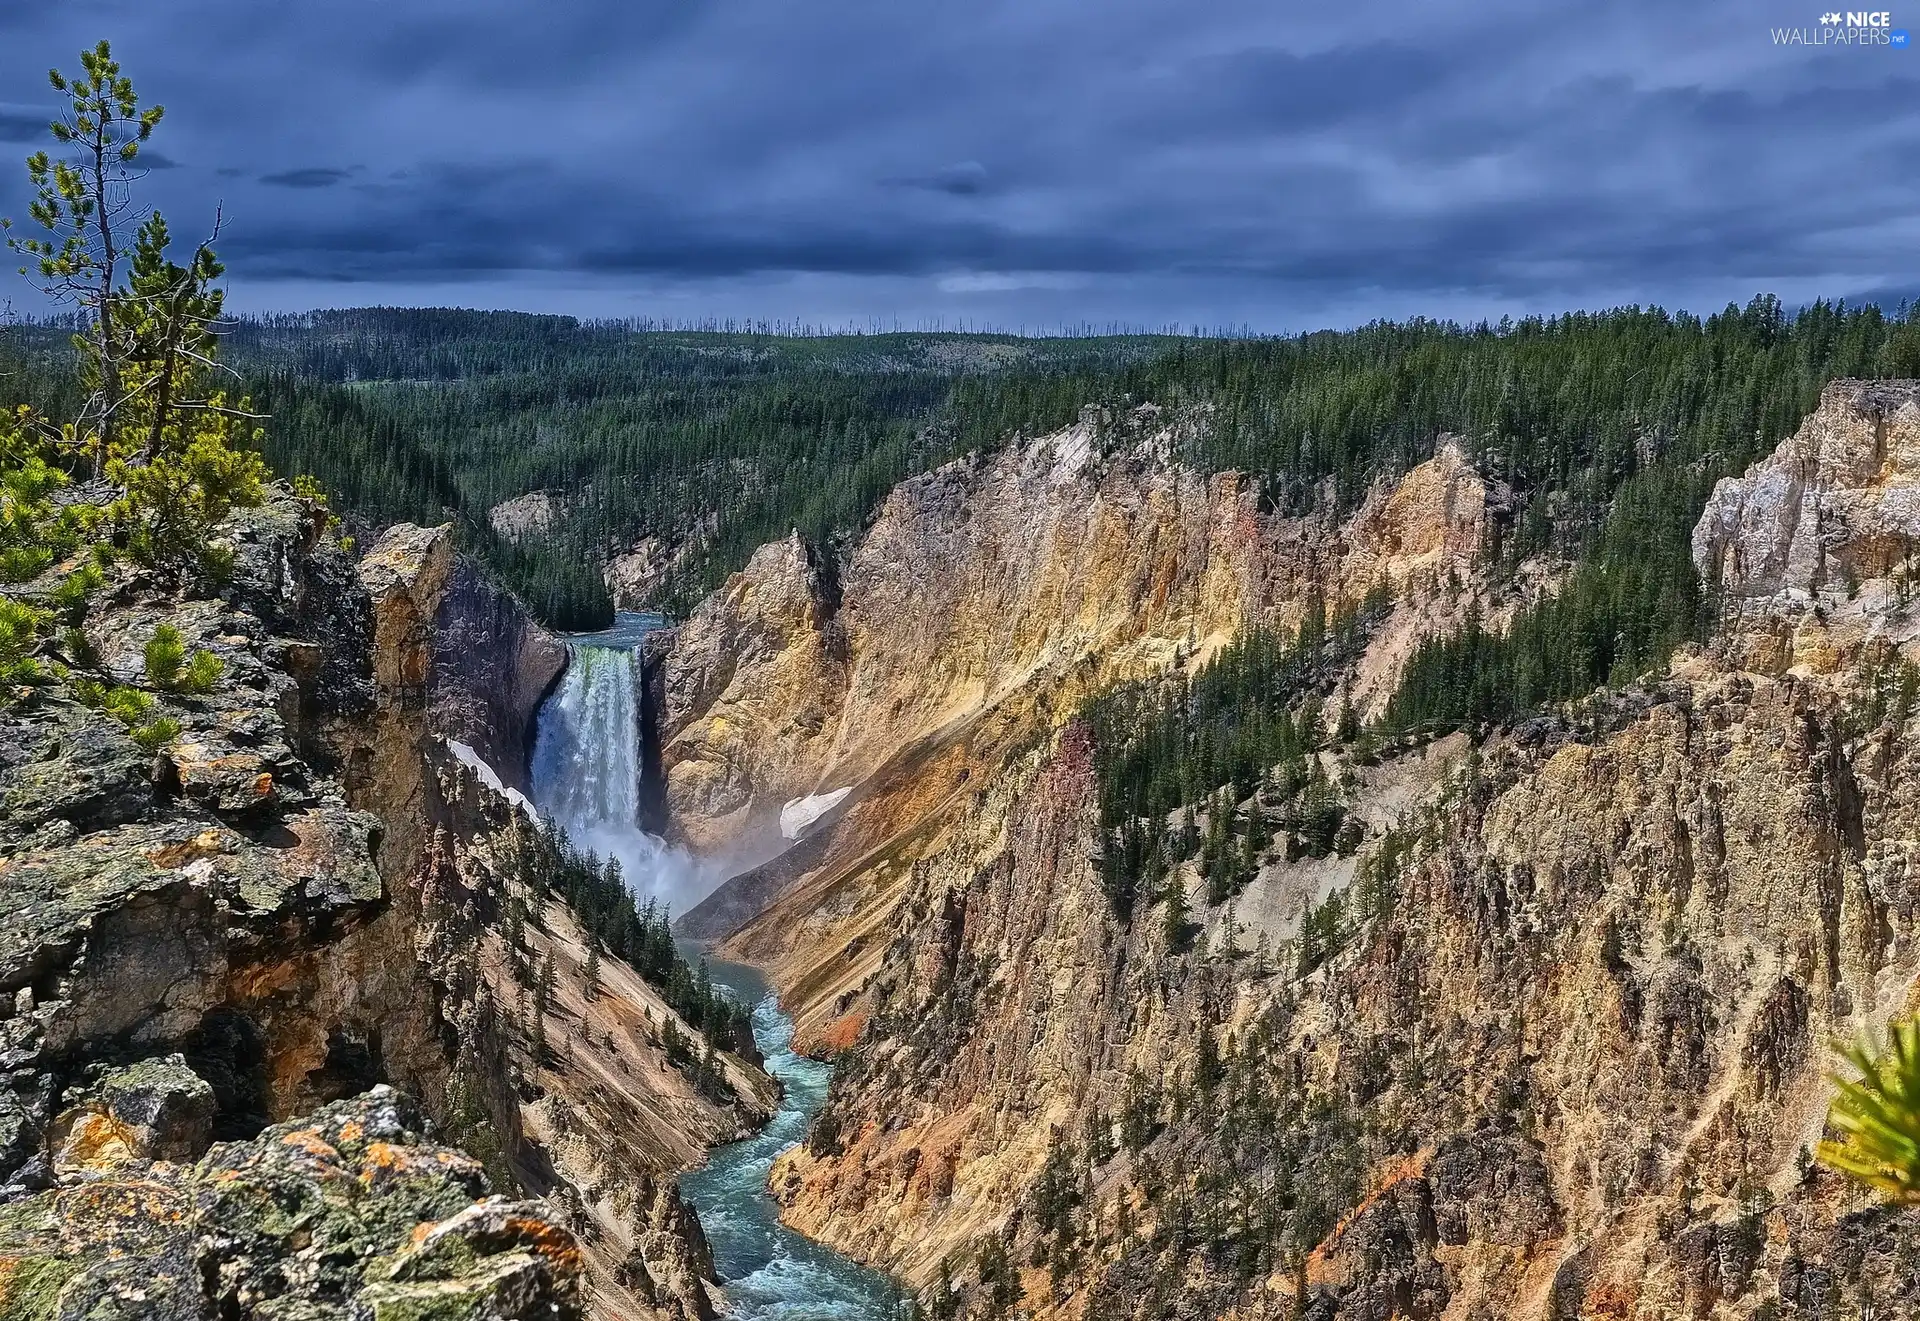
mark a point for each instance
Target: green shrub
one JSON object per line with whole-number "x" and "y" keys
{"x": 73, "y": 592}
{"x": 203, "y": 673}
{"x": 131, "y": 708}
{"x": 35, "y": 531}
{"x": 1877, "y": 1116}
{"x": 20, "y": 626}
{"x": 172, "y": 502}
{"x": 78, "y": 646}
{"x": 127, "y": 705}
{"x": 165, "y": 653}
{"x": 156, "y": 734}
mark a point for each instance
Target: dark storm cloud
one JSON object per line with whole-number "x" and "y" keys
{"x": 1238, "y": 158}
{"x": 1266, "y": 90}
{"x": 310, "y": 177}
{"x": 963, "y": 180}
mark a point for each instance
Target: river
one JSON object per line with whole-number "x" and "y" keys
{"x": 770, "y": 1272}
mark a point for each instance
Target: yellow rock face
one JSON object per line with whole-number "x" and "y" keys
{"x": 1595, "y": 1020}
{"x": 1029, "y": 579}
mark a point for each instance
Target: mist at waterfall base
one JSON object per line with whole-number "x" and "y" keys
{"x": 587, "y": 766}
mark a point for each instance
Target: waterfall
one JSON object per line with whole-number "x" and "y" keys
{"x": 587, "y": 767}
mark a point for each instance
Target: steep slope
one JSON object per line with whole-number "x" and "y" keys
{"x": 989, "y": 599}
{"x": 1556, "y": 1045}
{"x": 293, "y": 889}
{"x": 1040, "y": 573}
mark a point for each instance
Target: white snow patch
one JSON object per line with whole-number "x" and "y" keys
{"x": 491, "y": 778}
{"x": 799, "y": 813}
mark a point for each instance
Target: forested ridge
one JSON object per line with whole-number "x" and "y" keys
{"x": 1611, "y": 426}
{"x": 723, "y": 439}
{"x": 1612, "y": 430}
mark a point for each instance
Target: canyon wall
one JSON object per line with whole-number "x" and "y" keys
{"x": 492, "y": 667}
{"x": 296, "y": 894}
{"x": 1812, "y": 550}
{"x": 991, "y": 596}
{"x": 1560, "y": 1049}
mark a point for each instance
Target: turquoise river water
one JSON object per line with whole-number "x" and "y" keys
{"x": 770, "y": 1272}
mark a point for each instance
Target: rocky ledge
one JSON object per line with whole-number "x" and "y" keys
{"x": 275, "y": 887}
{"x": 350, "y": 1212}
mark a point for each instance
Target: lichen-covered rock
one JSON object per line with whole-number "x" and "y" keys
{"x": 348, "y": 1213}
{"x": 316, "y": 630}
{"x": 61, "y": 761}
{"x": 157, "y": 1109}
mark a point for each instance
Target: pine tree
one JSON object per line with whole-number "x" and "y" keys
{"x": 544, "y": 987}
{"x": 590, "y": 978}
{"x": 515, "y": 935}
{"x": 151, "y": 421}
{"x": 1250, "y": 846}
{"x": 1175, "y": 925}
{"x": 81, "y": 202}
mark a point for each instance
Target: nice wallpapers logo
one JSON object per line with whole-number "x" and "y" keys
{"x": 1852, "y": 29}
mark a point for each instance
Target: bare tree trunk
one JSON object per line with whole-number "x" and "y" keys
{"x": 109, "y": 368}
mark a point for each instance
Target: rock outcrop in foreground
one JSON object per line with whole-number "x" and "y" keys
{"x": 1558, "y": 1047}
{"x": 292, "y": 894}
{"x": 349, "y": 1212}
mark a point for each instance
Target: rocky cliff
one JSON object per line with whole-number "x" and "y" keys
{"x": 1812, "y": 549}
{"x": 492, "y": 667}
{"x": 283, "y": 879}
{"x": 990, "y": 596}
{"x": 1554, "y": 1044}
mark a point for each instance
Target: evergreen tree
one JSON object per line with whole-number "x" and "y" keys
{"x": 83, "y": 201}
{"x": 1175, "y": 925}
{"x": 544, "y": 987}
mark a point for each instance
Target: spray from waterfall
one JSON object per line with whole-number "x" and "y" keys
{"x": 587, "y": 769}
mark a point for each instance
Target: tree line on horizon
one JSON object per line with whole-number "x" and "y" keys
{"x": 720, "y": 442}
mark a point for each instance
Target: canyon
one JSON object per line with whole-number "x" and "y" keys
{"x": 1545, "y": 1034}
{"x": 1568, "y": 1054}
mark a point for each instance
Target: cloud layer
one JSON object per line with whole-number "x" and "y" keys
{"x": 1033, "y": 162}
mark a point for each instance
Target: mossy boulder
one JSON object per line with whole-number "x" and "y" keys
{"x": 157, "y": 1109}
{"x": 348, "y": 1213}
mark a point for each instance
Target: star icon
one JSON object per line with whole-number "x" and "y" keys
{"x": 1830, "y": 20}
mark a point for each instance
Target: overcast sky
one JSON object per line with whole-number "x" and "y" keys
{"x": 1032, "y": 163}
